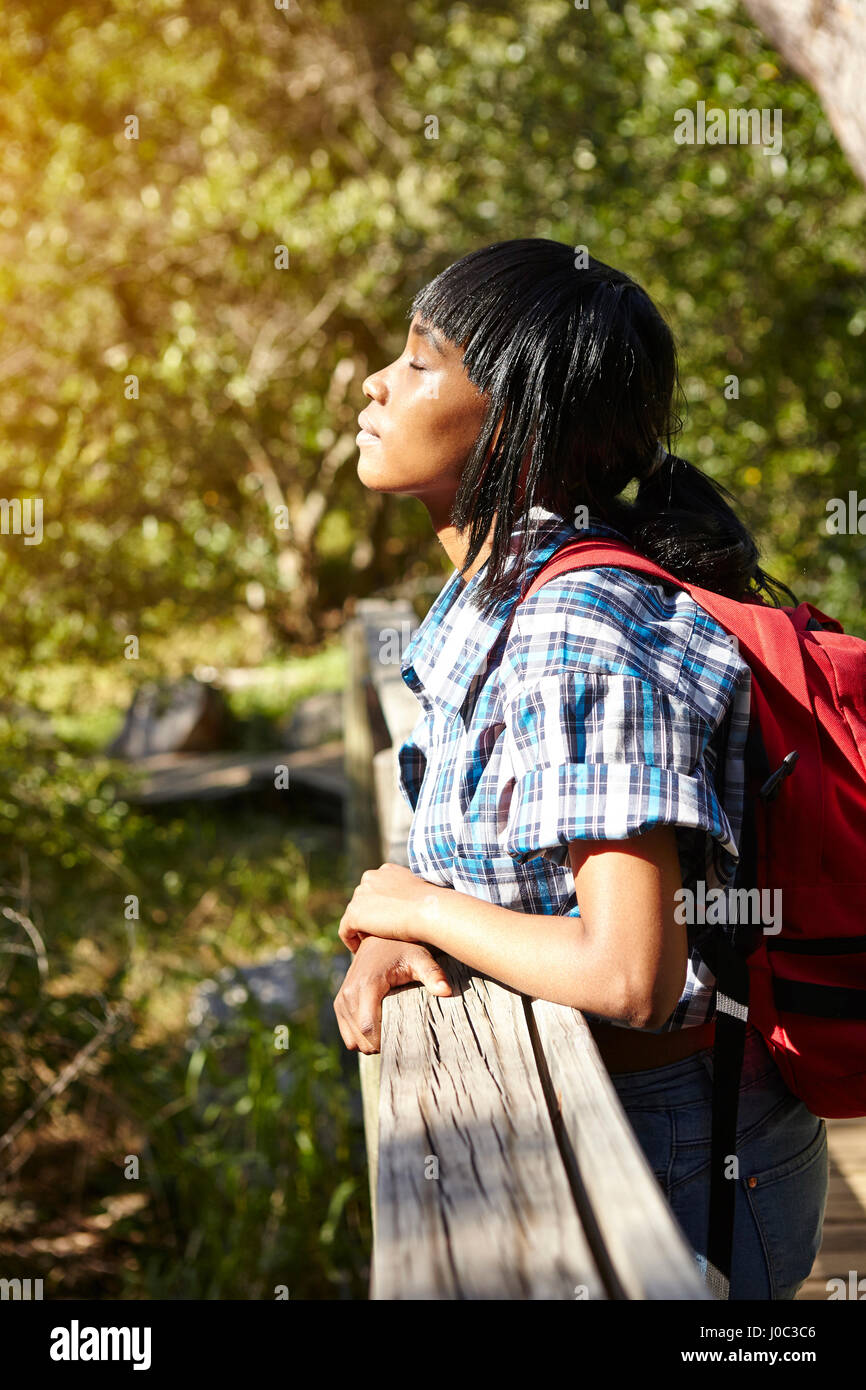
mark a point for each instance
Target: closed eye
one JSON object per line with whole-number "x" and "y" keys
{"x": 418, "y": 366}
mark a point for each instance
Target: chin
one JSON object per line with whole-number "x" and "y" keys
{"x": 372, "y": 475}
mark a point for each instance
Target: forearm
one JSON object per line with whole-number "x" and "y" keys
{"x": 545, "y": 956}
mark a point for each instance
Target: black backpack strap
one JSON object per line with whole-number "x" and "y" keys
{"x": 725, "y": 953}
{"x": 732, "y": 1017}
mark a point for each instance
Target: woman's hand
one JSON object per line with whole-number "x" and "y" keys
{"x": 377, "y": 968}
{"x": 390, "y": 902}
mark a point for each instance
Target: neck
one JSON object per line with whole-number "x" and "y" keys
{"x": 456, "y": 543}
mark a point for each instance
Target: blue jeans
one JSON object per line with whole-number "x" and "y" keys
{"x": 783, "y": 1164}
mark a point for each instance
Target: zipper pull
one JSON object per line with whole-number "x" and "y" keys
{"x": 770, "y": 790}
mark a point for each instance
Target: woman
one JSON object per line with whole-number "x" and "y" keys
{"x": 586, "y": 745}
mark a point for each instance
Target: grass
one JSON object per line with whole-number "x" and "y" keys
{"x": 168, "y": 1164}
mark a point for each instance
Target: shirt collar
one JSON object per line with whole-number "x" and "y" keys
{"x": 451, "y": 645}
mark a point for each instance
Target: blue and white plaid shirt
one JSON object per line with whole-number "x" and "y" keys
{"x": 604, "y": 705}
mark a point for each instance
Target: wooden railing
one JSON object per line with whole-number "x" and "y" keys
{"x": 502, "y": 1165}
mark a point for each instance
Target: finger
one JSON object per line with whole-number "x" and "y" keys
{"x": 427, "y": 971}
{"x": 360, "y": 1018}
{"x": 350, "y": 1033}
{"x": 367, "y": 1019}
{"x": 346, "y": 1030}
{"x": 350, "y": 936}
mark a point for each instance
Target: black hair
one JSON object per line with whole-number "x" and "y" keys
{"x": 581, "y": 367}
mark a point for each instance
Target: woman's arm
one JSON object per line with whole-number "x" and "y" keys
{"x": 624, "y": 958}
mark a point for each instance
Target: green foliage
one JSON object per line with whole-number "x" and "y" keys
{"x": 278, "y": 688}
{"x": 252, "y": 1162}
{"x": 154, "y": 258}
{"x": 186, "y": 409}
{"x": 259, "y": 128}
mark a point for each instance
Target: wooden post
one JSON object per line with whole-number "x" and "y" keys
{"x": 369, "y": 1067}
{"x": 362, "y": 839}
{"x": 362, "y": 830}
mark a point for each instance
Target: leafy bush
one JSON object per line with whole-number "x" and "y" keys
{"x": 262, "y": 1185}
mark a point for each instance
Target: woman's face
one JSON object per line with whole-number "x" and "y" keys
{"x": 423, "y": 419}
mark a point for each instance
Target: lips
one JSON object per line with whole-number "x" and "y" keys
{"x": 366, "y": 426}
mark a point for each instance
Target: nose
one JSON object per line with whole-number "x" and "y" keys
{"x": 374, "y": 387}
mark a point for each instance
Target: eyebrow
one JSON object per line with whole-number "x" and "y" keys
{"x": 432, "y": 337}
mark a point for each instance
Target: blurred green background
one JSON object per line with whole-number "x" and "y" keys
{"x": 183, "y": 395}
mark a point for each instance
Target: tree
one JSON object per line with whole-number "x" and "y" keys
{"x": 826, "y": 44}
{"x": 192, "y": 303}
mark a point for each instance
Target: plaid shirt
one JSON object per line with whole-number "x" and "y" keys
{"x": 605, "y": 704}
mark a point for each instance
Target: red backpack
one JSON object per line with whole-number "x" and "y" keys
{"x": 804, "y": 832}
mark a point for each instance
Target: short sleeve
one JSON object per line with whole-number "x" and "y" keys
{"x": 604, "y": 756}
{"x": 615, "y": 694}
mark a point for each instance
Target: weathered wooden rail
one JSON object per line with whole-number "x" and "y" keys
{"x": 502, "y": 1165}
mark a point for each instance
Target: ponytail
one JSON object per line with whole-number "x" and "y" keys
{"x": 681, "y": 519}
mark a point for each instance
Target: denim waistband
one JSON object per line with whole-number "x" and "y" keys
{"x": 757, "y": 1064}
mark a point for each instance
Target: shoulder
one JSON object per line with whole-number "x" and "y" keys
{"x": 610, "y": 622}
